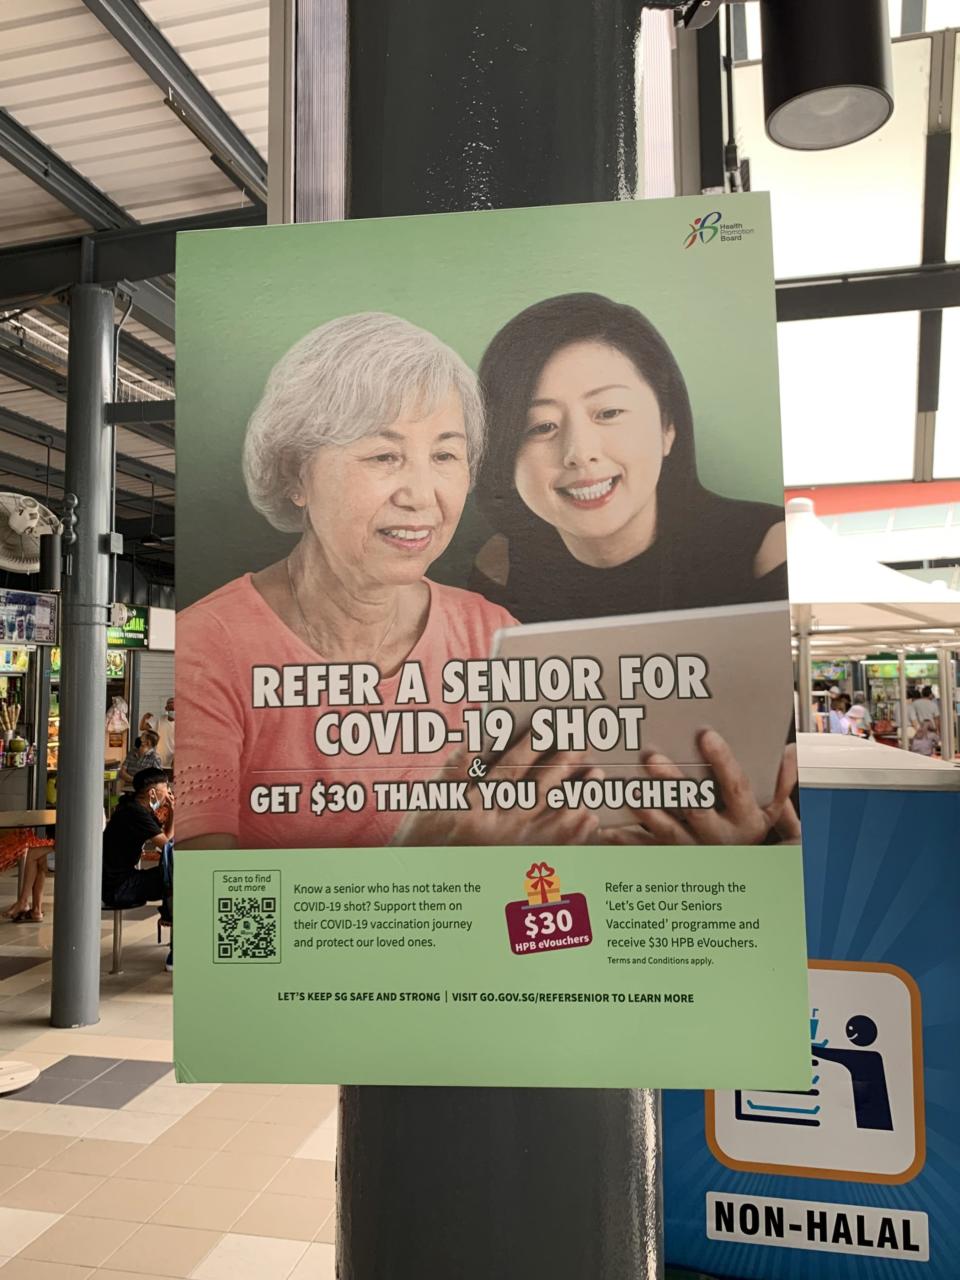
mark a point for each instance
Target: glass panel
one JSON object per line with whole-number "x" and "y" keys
{"x": 848, "y": 392}
{"x": 946, "y": 446}
{"x": 854, "y": 208}
{"x": 953, "y": 209}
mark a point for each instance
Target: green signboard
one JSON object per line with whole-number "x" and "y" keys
{"x": 133, "y": 634}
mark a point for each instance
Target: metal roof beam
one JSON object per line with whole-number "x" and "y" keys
{"x": 927, "y": 288}
{"x": 132, "y": 350}
{"x": 184, "y": 93}
{"x": 15, "y": 363}
{"x": 126, "y": 413}
{"x": 18, "y": 424}
{"x": 136, "y": 254}
{"x": 37, "y": 472}
{"x": 27, "y": 153}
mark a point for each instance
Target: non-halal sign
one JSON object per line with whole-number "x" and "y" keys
{"x": 133, "y": 633}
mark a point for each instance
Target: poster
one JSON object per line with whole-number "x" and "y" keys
{"x": 483, "y": 569}
{"x": 27, "y": 616}
{"x": 857, "y": 1175}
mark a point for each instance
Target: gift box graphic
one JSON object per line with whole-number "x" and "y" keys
{"x": 542, "y": 884}
{"x": 548, "y": 919}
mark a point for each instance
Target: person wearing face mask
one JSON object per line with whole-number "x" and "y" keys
{"x": 590, "y": 481}
{"x": 142, "y": 820}
{"x": 166, "y": 735}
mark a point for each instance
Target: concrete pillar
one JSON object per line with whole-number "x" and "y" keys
{"x": 85, "y": 601}
{"x": 475, "y": 105}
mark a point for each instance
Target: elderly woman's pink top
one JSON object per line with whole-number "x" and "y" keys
{"x": 226, "y": 748}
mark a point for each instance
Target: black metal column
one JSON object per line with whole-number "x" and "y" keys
{"x": 489, "y": 104}
{"x": 85, "y": 602}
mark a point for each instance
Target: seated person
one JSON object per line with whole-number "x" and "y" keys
{"x": 133, "y": 827}
{"x": 143, "y": 756}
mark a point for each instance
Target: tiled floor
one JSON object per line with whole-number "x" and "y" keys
{"x": 109, "y": 1168}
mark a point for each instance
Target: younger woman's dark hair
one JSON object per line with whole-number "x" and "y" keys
{"x": 512, "y": 365}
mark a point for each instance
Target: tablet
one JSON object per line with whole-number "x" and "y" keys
{"x": 747, "y": 671}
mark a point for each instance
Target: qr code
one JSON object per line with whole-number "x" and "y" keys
{"x": 247, "y": 928}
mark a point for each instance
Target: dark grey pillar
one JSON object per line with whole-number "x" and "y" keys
{"x": 470, "y": 105}
{"x": 85, "y": 600}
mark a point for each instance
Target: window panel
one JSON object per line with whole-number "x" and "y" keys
{"x": 946, "y": 448}
{"x": 848, "y": 390}
{"x": 854, "y": 208}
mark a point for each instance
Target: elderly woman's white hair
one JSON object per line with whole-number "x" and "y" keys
{"x": 345, "y": 380}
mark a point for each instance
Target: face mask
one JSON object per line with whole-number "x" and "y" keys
{"x": 169, "y": 715}
{"x": 154, "y": 803}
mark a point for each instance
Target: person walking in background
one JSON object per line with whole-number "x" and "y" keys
{"x": 165, "y": 731}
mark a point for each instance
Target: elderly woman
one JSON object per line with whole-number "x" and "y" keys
{"x": 365, "y": 444}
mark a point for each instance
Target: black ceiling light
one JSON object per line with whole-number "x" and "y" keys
{"x": 827, "y": 79}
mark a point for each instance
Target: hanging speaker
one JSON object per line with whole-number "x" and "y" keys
{"x": 50, "y": 562}
{"x": 827, "y": 78}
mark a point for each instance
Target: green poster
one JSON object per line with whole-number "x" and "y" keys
{"x": 436, "y": 967}
{"x": 482, "y": 614}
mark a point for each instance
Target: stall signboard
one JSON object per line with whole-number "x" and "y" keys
{"x": 116, "y": 663}
{"x": 27, "y": 616}
{"x": 134, "y": 632}
{"x": 858, "y": 1174}
{"x": 14, "y": 662}
{"x": 483, "y": 652}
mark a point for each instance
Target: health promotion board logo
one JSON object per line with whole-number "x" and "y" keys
{"x": 705, "y": 229}
{"x": 547, "y": 919}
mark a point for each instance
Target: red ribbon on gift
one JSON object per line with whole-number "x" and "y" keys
{"x": 540, "y": 874}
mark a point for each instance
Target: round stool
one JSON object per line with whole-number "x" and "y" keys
{"x": 16, "y": 1075}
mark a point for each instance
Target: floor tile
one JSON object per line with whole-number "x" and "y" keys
{"x": 295, "y": 1111}
{"x": 133, "y": 1071}
{"x": 167, "y": 1164}
{"x": 319, "y": 1145}
{"x": 80, "y": 1067}
{"x": 10, "y": 1175}
{"x": 126, "y": 1199}
{"x": 232, "y": 1169}
{"x": 157, "y": 1251}
{"x": 267, "y": 1139}
{"x": 215, "y": 1208}
{"x": 89, "y": 1155}
{"x": 48, "y": 1089}
{"x": 208, "y": 1135}
{"x": 50, "y": 1191}
{"x": 221, "y": 1105}
{"x": 19, "y": 1227}
{"x": 103, "y": 1092}
{"x": 305, "y": 1178}
{"x": 165, "y": 1100}
{"x": 32, "y": 1269}
{"x": 318, "y": 1263}
{"x": 137, "y": 1127}
{"x": 239, "y": 1257}
{"x": 328, "y": 1231}
{"x": 288, "y": 1217}
{"x": 66, "y": 1120}
{"x": 31, "y": 1150}
{"x": 81, "y": 1241}
{"x": 110, "y": 1274}
{"x": 261, "y": 1090}
{"x": 10, "y": 966}
{"x": 13, "y": 1115}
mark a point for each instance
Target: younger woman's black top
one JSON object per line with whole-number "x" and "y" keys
{"x": 704, "y": 558}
